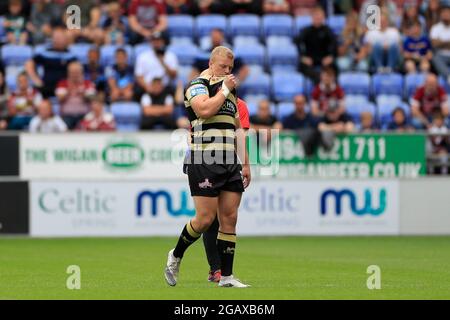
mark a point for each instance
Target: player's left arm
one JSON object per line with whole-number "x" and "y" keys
{"x": 241, "y": 147}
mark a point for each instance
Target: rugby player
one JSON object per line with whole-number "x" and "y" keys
{"x": 216, "y": 183}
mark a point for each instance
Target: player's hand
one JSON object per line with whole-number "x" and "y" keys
{"x": 230, "y": 81}
{"x": 246, "y": 175}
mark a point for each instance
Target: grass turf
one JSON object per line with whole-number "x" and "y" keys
{"x": 276, "y": 267}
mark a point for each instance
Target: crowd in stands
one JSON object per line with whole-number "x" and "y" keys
{"x": 301, "y": 64}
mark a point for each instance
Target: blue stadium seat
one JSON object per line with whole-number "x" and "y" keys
{"x": 302, "y": 22}
{"x": 141, "y": 47}
{"x": 244, "y": 25}
{"x": 285, "y": 109}
{"x": 287, "y": 85}
{"x": 11, "y": 73}
{"x": 244, "y": 40}
{"x": 444, "y": 84}
{"x": 183, "y": 74}
{"x": 131, "y": 127}
{"x": 278, "y": 24}
{"x": 80, "y": 50}
{"x": 387, "y": 104}
{"x": 16, "y": 54}
{"x": 272, "y": 41}
{"x": 208, "y": 22}
{"x": 336, "y": 23}
{"x": 356, "y": 104}
{"x": 180, "y": 25}
{"x": 412, "y": 82}
{"x": 186, "y": 53}
{"x": 255, "y": 85}
{"x": 355, "y": 82}
{"x": 387, "y": 84}
{"x": 108, "y": 52}
{"x": 282, "y": 56}
{"x": 126, "y": 113}
{"x": 252, "y": 107}
{"x": 251, "y": 53}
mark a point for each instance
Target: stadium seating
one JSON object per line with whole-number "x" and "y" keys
{"x": 80, "y": 50}
{"x": 287, "y": 85}
{"x": 277, "y": 24}
{"x": 251, "y": 53}
{"x": 444, "y": 84}
{"x": 206, "y": 23}
{"x": 16, "y": 54}
{"x": 282, "y": 56}
{"x": 141, "y": 47}
{"x": 180, "y": 25}
{"x": 412, "y": 81}
{"x": 355, "y": 104}
{"x": 302, "y": 22}
{"x": 387, "y": 84}
{"x": 244, "y": 25}
{"x": 244, "y": 40}
{"x": 258, "y": 84}
{"x": 285, "y": 109}
{"x": 336, "y": 23}
{"x": 355, "y": 83}
{"x": 127, "y": 114}
{"x": 185, "y": 52}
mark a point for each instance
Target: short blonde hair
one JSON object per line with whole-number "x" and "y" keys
{"x": 221, "y": 51}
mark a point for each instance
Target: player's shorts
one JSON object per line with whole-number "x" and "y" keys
{"x": 208, "y": 180}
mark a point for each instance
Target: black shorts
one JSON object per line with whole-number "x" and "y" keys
{"x": 208, "y": 180}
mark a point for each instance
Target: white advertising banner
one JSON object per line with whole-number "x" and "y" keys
{"x": 101, "y": 156}
{"x": 280, "y": 207}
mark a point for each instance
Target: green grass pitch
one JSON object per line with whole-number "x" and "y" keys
{"x": 276, "y": 267}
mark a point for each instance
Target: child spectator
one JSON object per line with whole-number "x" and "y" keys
{"x": 22, "y": 104}
{"x": 367, "y": 124}
{"x": 98, "y": 119}
{"x": 399, "y": 122}
{"x": 45, "y": 121}
{"x": 438, "y": 143}
{"x": 15, "y": 24}
{"x": 94, "y": 71}
{"x": 121, "y": 78}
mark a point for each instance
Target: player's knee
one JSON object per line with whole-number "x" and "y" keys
{"x": 229, "y": 219}
{"x": 204, "y": 223}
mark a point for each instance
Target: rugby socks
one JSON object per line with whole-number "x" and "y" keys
{"x": 188, "y": 236}
{"x": 226, "y": 244}
{"x": 210, "y": 242}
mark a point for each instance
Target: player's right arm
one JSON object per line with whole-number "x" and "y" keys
{"x": 204, "y": 106}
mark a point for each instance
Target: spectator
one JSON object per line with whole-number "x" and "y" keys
{"x": 157, "y": 107}
{"x": 384, "y": 46}
{"x": 367, "y": 124}
{"x": 44, "y": 15}
{"x": 302, "y": 7}
{"x": 399, "y": 121}
{"x": 45, "y": 121}
{"x": 276, "y": 6}
{"x": 438, "y": 143}
{"x": 352, "y": 52}
{"x": 429, "y": 98}
{"x": 244, "y": 6}
{"x": 4, "y": 117}
{"x": 90, "y": 30}
{"x": 440, "y": 38}
{"x": 388, "y": 8}
{"x": 73, "y": 94}
{"x": 115, "y": 25}
{"x": 241, "y": 70}
{"x": 94, "y": 71}
{"x": 98, "y": 119}
{"x": 15, "y": 24}
{"x": 180, "y": 109}
{"x": 317, "y": 46}
{"x": 22, "y": 104}
{"x": 54, "y": 61}
{"x": 157, "y": 62}
{"x": 300, "y": 118}
{"x": 327, "y": 93}
{"x": 432, "y": 13}
{"x": 264, "y": 119}
{"x": 411, "y": 17}
{"x": 335, "y": 121}
{"x": 146, "y": 17}
{"x": 120, "y": 78}
{"x": 417, "y": 51}
{"x": 178, "y": 7}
